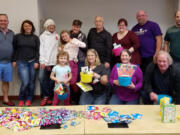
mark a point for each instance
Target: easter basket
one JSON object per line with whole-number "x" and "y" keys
{"x": 61, "y": 91}
{"x": 117, "y": 51}
{"x": 124, "y": 80}
{"x": 86, "y": 77}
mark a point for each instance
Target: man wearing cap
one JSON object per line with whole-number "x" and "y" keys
{"x": 6, "y": 51}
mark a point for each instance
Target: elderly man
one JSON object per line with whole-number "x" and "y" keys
{"x": 100, "y": 40}
{"x": 6, "y": 50}
{"x": 150, "y": 37}
{"x": 172, "y": 40}
{"x": 161, "y": 77}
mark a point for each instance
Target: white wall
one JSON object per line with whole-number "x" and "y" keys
{"x": 18, "y": 11}
{"x": 65, "y": 11}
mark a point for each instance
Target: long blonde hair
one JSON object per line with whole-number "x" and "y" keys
{"x": 62, "y": 42}
{"x": 97, "y": 60}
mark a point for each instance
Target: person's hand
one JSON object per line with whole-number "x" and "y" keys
{"x": 58, "y": 81}
{"x": 14, "y": 64}
{"x": 131, "y": 86}
{"x": 116, "y": 82}
{"x": 36, "y": 65}
{"x": 106, "y": 64}
{"x": 60, "y": 49}
{"x": 96, "y": 76}
{"x": 42, "y": 66}
{"x": 154, "y": 57}
{"x": 153, "y": 96}
{"x": 66, "y": 82}
{"x": 131, "y": 50}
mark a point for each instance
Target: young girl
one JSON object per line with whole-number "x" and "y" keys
{"x": 72, "y": 47}
{"x": 61, "y": 73}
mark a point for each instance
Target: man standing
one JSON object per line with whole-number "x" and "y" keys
{"x": 150, "y": 37}
{"x": 172, "y": 40}
{"x": 100, "y": 40}
{"x": 76, "y": 33}
{"x": 6, "y": 50}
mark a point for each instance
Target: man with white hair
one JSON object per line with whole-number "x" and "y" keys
{"x": 100, "y": 40}
{"x": 6, "y": 51}
{"x": 172, "y": 40}
{"x": 150, "y": 37}
{"x": 161, "y": 77}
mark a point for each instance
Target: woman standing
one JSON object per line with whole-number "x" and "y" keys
{"x": 128, "y": 40}
{"x": 98, "y": 94}
{"x": 49, "y": 43}
{"x": 131, "y": 93}
{"x": 26, "y": 55}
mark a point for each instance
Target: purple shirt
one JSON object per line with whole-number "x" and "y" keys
{"x": 147, "y": 34}
{"x": 124, "y": 93}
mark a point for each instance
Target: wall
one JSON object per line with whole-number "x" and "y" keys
{"x": 18, "y": 11}
{"x": 65, "y": 11}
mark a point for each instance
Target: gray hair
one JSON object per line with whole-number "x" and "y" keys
{"x": 100, "y": 17}
{"x": 161, "y": 52}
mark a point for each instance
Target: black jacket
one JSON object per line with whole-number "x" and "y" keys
{"x": 174, "y": 81}
{"x": 102, "y": 43}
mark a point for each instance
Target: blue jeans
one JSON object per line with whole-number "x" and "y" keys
{"x": 116, "y": 101}
{"x": 87, "y": 98}
{"x": 27, "y": 74}
{"x": 46, "y": 84}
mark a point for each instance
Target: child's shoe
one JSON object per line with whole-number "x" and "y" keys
{"x": 49, "y": 102}
{"x": 43, "y": 102}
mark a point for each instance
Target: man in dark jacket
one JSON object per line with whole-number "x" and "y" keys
{"x": 100, "y": 40}
{"x": 161, "y": 78}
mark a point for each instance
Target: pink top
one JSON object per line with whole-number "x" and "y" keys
{"x": 72, "y": 48}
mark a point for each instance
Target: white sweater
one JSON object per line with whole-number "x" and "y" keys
{"x": 73, "y": 48}
{"x": 49, "y": 43}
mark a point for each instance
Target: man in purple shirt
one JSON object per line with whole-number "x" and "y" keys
{"x": 150, "y": 37}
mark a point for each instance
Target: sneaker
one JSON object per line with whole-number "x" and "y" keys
{"x": 28, "y": 103}
{"x": 21, "y": 103}
{"x": 43, "y": 102}
{"x": 49, "y": 102}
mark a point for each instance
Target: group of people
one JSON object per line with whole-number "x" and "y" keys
{"x": 60, "y": 58}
